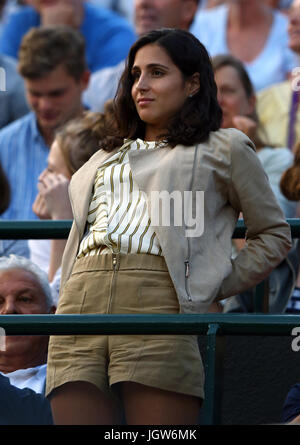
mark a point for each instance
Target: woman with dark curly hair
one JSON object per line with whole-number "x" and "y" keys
{"x": 154, "y": 211}
{"x": 290, "y": 180}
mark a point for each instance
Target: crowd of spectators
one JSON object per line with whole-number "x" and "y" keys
{"x": 60, "y": 66}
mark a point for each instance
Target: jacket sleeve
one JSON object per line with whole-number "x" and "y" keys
{"x": 69, "y": 256}
{"x": 268, "y": 237}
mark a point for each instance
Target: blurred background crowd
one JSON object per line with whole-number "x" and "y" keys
{"x": 61, "y": 61}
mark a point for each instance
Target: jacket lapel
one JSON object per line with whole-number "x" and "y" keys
{"x": 158, "y": 170}
{"x": 81, "y": 187}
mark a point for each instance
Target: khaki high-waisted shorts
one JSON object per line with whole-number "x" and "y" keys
{"x": 135, "y": 284}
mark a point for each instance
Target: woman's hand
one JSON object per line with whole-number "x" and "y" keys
{"x": 53, "y": 190}
{"x": 39, "y": 207}
{"x": 245, "y": 124}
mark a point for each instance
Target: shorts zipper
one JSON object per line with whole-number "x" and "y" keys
{"x": 113, "y": 281}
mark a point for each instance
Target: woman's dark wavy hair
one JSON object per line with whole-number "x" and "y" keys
{"x": 290, "y": 180}
{"x": 4, "y": 191}
{"x": 200, "y": 114}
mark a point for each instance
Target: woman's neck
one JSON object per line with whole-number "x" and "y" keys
{"x": 248, "y": 27}
{"x": 247, "y": 14}
{"x": 154, "y": 134}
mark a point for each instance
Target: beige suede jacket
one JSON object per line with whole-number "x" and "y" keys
{"x": 228, "y": 171}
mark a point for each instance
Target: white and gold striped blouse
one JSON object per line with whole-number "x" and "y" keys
{"x": 118, "y": 219}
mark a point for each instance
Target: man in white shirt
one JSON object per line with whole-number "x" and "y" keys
{"x": 148, "y": 15}
{"x": 24, "y": 289}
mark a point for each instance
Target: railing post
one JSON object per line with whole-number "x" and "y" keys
{"x": 261, "y": 297}
{"x": 215, "y": 349}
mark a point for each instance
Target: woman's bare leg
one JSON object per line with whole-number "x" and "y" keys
{"x": 82, "y": 403}
{"x": 145, "y": 405}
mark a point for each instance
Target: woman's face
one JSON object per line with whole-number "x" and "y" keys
{"x": 294, "y": 26}
{"x": 232, "y": 96}
{"x": 159, "y": 89}
{"x": 56, "y": 162}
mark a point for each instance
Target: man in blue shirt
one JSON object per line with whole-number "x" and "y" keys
{"x": 24, "y": 289}
{"x": 22, "y": 406}
{"x": 291, "y": 406}
{"x": 108, "y": 36}
{"x": 52, "y": 63}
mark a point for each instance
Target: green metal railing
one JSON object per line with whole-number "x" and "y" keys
{"x": 214, "y": 326}
{"x": 48, "y": 229}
